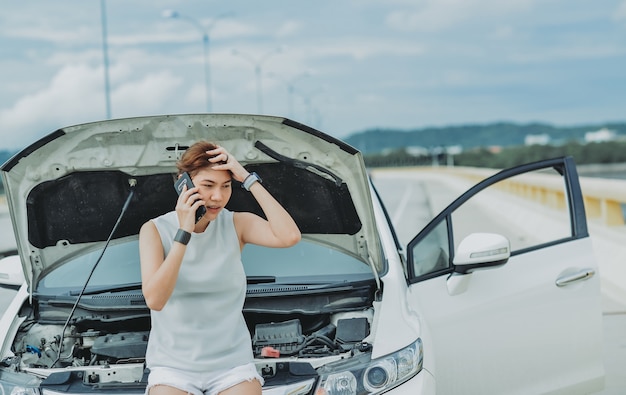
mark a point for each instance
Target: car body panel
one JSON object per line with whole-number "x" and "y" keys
{"x": 512, "y": 323}
{"x": 516, "y": 329}
{"x": 77, "y": 177}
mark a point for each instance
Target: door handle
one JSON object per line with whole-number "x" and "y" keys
{"x": 581, "y": 275}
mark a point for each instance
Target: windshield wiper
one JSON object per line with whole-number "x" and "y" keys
{"x": 260, "y": 279}
{"x": 100, "y": 290}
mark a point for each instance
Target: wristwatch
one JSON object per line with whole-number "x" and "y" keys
{"x": 251, "y": 179}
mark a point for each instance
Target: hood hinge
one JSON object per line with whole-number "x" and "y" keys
{"x": 373, "y": 267}
{"x": 36, "y": 266}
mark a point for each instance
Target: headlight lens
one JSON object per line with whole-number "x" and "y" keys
{"x": 12, "y": 383}
{"x": 380, "y": 375}
{"x": 343, "y": 383}
{"x": 373, "y": 376}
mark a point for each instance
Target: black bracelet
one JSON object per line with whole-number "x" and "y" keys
{"x": 182, "y": 236}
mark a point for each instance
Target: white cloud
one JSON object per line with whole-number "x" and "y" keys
{"x": 287, "y": 29}
{"x": 181, "y": 31}
{"x": 438, "y": 15}
{"x": 145, "y": 96}
{"x": 65, "y": 57}
{"x": 361, "y": 49}
{"x": 503, "y": 32}
{"x": 574, "y": 52}
{"x": 620, "y": 12}
{"x": 55, "y": 35}
{"x": 76, "y": 95}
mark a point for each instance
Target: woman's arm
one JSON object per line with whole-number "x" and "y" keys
{"x": 159, "y": 272}
{"x": 279, "y": 230}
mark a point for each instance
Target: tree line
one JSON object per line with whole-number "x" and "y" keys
{"x": 590, "y": 153}
{"x": 501, "y": 134}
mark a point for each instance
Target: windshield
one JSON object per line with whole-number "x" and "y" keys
{"x": 119, "y": 267}
{"x": 303, "y": 259}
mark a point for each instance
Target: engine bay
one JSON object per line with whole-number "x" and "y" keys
{"x": 101, "y": 338}
{"x": 92, "y": 343}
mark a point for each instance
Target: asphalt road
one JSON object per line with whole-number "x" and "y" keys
{"x": 412, "y": 198}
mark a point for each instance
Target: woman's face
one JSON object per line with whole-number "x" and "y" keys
{"x": 215, "y": 188}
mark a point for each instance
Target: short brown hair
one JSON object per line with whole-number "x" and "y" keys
{"x": 195, "y": 158}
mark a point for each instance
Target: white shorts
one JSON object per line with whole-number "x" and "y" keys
{"x": 202, "y": 383}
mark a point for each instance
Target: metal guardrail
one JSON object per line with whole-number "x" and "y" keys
{"x": 605, "y": 199}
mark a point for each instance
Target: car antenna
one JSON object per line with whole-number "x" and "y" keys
{"x": 132, "y": 182}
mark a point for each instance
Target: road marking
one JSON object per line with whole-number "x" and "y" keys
{"x": 397, "y": 215}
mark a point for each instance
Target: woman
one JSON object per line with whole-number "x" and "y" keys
{"x": 193, "y": 280}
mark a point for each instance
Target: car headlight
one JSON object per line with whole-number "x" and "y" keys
{"x": 13, "y": 383}
{"x": 362, "y": 375}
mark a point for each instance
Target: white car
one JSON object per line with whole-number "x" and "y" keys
{"x": 482, "y": 301}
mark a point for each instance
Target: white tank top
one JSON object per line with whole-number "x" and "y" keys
{"x": 201, "y": 327}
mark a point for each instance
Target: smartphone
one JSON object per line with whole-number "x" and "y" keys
{"x": 185, "y": 179}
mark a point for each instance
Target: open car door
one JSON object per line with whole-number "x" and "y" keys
{"x": 506, "y": 280}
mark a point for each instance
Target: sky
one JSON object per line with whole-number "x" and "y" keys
{"x": 341, "y": 66}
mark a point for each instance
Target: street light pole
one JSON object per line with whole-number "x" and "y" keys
{"x": 207, "y": 73}
{"x": 290, "y": 84}
{"x": 105, "y": 59}
{"x": 205, "y": 44}
{"x": 257, "y": 64}
{"x": 308, "y": 102}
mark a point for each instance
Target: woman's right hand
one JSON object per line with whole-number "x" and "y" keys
{"x": 186, "y": 205}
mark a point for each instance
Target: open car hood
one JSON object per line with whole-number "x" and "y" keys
{"x": 66, "y": 191}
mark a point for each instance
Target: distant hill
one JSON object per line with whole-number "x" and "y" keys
{"x": 471, "y": 136}
{"x": 6, "y": 155}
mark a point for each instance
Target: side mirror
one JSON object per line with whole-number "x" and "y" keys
{"x": 481, "y": 251}
{"x": 11, "y": 273}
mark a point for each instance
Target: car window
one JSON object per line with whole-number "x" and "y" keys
{"x": 120, "y": 266}
{"x": 6, "y": 297}
{"x": 431, "y": 254}
{"x": 530, "y": 209}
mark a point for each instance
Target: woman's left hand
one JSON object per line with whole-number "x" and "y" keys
{"x": 226, "y": 161}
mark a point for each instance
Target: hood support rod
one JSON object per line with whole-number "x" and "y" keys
{"x": 132, "y": 183}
